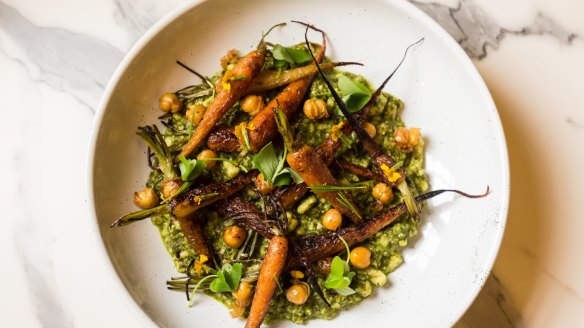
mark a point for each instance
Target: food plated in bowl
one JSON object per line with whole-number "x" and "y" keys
{"x": 132, "y": 247}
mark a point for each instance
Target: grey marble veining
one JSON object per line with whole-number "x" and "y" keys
{"x": 476, "y": 31}
{"x": 67, "y": 61}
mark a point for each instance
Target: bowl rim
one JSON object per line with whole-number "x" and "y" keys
{"x": 116, "y": 282}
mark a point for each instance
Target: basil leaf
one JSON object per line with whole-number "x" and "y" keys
{"x": 266, "y": 161}
{"x": 356, "y": 94}
{"x": 190, "y": 169}
{"x": 290, "y": 55}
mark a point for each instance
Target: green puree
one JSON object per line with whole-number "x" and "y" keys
{"x": 305, "y": 217}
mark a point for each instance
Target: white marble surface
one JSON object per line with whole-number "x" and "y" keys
{"x": 56, "y": 57}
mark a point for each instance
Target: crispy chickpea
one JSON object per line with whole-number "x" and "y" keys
{"x": 146, "y": 198}
{"x": 263, "y": 186}
{"x": 297, "y": 294}
{"x": 195, "y": 113}
{"x": 229, "y": 58}
{"x": 243, "y": 296}
{"x": 252, "y": 104}
{"x": 170, "y": 187}
{"x": 315, "y": 109}
{"x": 324, "y": 265}
{"x": 169, "y": 102}
{"x": 382, "y": 193}
{"x": 234, "y": 236}
{"x": 406, "y": 139}
{"x": 360, "y": 257}
{"x": 332, "y": 219}
{"x": 206, "y": 154}
{"x": 370, "y": 129}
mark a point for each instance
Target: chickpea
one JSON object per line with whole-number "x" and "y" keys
{"x": 382, "y": 193}
{"x": 195, "y": 113}
{"x": 315, "y": 109}
{"x": 332, "y": 219}
{"x": 370, "y": 129}
{"x": 252, "y": 104}
{"x": 146, "y": 198}
{"x": 324, "y": 265}
{"x": 229, "y": 58}
{"x": 242, "y": 296}
{"x": 234, "y": 236}
{"x": 263, "y": 186}
{"x": 170, "y": 187}
{"x": 206, "y": 154}
{"x": 406, "y": 139}
{"x": 169, "y": 102}
{"x": 360, "y": 257}
{"x": 297, "y": 294}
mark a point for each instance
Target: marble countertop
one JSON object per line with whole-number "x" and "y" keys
{"x": 56, "y": 57}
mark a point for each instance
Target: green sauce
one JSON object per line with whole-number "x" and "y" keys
{"x": 305, "y": 217}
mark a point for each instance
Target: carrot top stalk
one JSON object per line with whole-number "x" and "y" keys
{"x": 272, "y": 266}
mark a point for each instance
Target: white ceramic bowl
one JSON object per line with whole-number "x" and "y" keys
{"x": 444, "y": 95}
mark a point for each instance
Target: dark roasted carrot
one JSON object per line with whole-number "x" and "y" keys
{"x": 314, "y": 171}
{"x": 191, "y": 201}
{"x": 236, "y": 82}
{"x": 316, "y": 247}
{"x": 355, "y": 169}
{"x": 191, "y": 227}
{"x": 262, "y": 128}
{"x": 272, "y": 267}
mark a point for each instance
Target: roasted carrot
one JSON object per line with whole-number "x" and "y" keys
{"x": 316, "y": 247}
{"x": 262, "y": 128}
{"x": 191, "y": 201}
{"x": 384, "y": 163}
{"x": 235, "y": 83}
{"x": 357, "y": 170}
{"x": 191, "y": 227}
{"x": 272, "y": 266}
{"x": 314, "y": 171}
{"x": 272, "y": 79}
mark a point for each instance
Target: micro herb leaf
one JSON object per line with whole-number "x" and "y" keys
{"x": 227, "y": 278}
{"x": 289, "y": 55}
{"x": 190, "y": 169}
{"x": 355, "y": 94}
{"x": 271, "y": 165}
{"x": 266, "y": 161}
{"x": 340, "y": 277}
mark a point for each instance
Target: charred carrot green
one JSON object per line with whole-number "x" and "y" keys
{"x": 272, "y": 266}
{"x": 234, "y": 86}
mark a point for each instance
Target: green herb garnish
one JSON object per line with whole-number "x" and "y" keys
{"x": 271, "y": 165}
{"x": 285, "y": 56}
{"x": 227, "y": 278}
{"x": 236, "y": 78}
{"x": 190, "y": 169}
{"x": 341, "y": 275}
{"x": 356, "y": 95}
